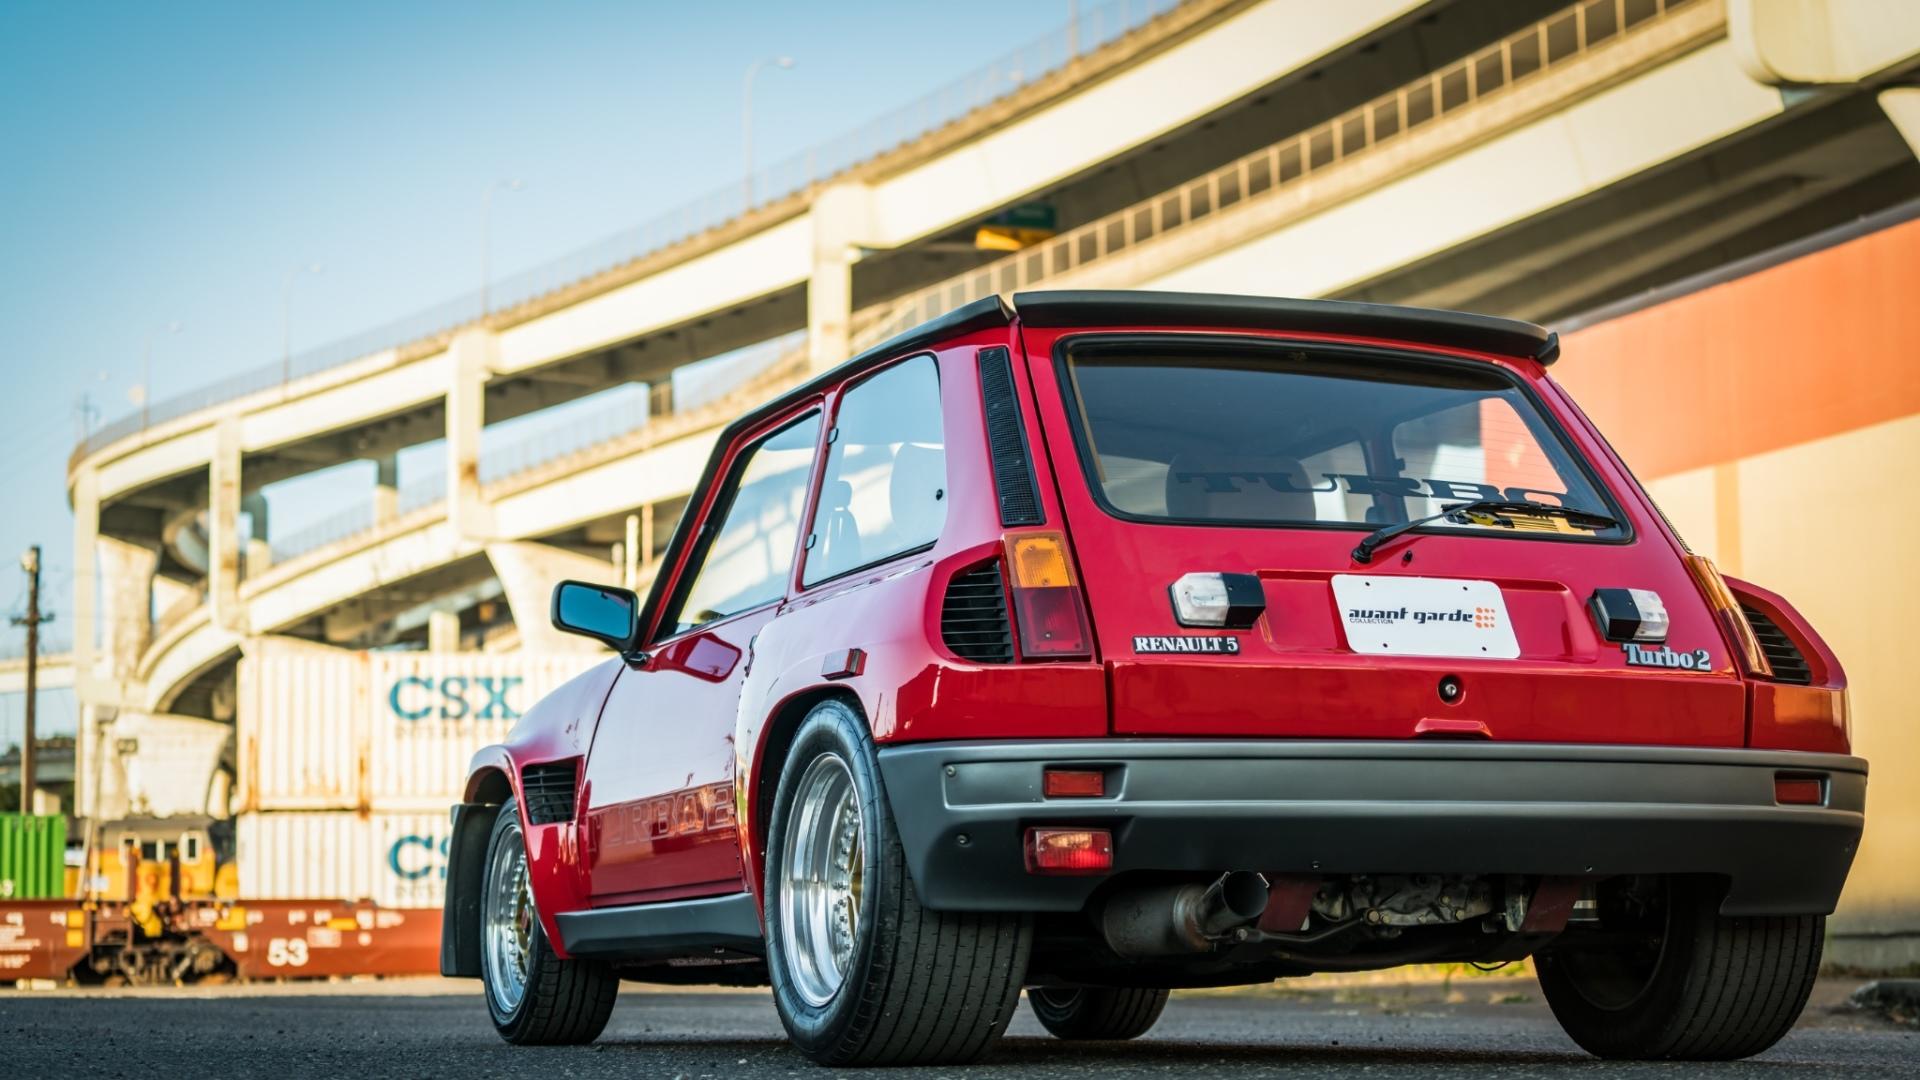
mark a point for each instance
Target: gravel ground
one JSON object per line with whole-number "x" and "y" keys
{"x": 1476, "y": 1028}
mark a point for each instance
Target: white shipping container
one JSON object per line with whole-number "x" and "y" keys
{"x": 331, "y": 729}
{"x": 431, "y": 711}
{"x": 396, "y": 860}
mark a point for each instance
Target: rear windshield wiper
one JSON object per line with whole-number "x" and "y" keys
{"x": 1363, "y": 551}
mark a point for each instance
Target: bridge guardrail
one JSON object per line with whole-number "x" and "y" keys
{"x": 1094, "y": 28}
{"x": 1552, "y": 42}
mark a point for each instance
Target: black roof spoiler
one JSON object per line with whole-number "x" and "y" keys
{"x": 1427, "y": 326}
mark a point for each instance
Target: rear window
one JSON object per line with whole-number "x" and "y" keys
{"x": 1250, "y": 435}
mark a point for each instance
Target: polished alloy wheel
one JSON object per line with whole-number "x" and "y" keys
{"x": 821, "y": 879}
{"x": 507, "y": 922}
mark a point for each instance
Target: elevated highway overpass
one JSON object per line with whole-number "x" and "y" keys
{"x": 1521, "y": 158}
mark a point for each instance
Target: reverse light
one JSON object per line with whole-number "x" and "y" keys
{"x": 1047, "y": 604}
{"x": 1630, "y": 614}
{"x": 1234, "y": 601}
{"x": 1727, "y": 609}
{"x": 1069, "y": 851}
{"x": 1073, "y": 783}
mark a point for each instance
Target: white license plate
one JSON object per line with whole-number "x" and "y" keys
{"x": 1416, "y": 616}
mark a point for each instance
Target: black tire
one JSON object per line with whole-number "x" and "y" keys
{"x": 1097, "y": 1012}
{"x": 565, "y": 1002}
{"x": 1707, "y": 987}
{"x": 920, "y": 987}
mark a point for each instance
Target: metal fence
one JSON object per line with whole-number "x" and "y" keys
{"x": 1552, "y": 42}
{"x": 1093, "y": 28}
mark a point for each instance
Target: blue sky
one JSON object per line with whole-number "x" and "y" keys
{"x": 170, "y": 162}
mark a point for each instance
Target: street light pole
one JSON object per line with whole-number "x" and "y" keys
{"x": 146, "y": 370}
{"x": 785, "y": 63}
{"x": 286, "y": 318}
{"x": 486, "y": 236}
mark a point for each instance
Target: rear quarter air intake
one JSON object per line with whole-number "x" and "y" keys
{"x": 973, "y": 616}
{"x": 1788, "y": 662}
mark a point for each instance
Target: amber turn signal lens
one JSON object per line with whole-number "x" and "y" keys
{"x": 1039, "y": 561}
{"x": 1073, "y": 783}
{"x": 1069, "y": 851}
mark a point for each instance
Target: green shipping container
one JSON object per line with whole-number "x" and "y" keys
{"x": 33, "y": 857}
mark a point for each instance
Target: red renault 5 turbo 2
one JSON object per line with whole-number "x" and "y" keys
{"x": 1099, "y": 644}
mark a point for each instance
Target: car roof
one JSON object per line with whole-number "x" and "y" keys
{"x": 1105, "y": 308}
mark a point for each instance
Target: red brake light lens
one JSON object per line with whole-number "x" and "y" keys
{"x": 1069, "y": 851}
{"x": 1047, "y": 605}
{"x": 1073, "y": 783}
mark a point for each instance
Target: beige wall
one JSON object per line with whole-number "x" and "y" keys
{"x": 1825, "y": 524}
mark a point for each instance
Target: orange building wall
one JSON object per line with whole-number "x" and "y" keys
{"x": 1827, "y": 343}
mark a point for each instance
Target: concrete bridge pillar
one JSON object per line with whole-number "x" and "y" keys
{"x": 223, "y": 528}
{"x": 86, "y": 534}
{"x": 386, "y": 489}
{"x": 1903, "y": 108}
{"x": 528, "y": 573}
{"x": 259, "y": 552}
{"x": 127, "y": 572}
{"x": 842, "y": 218}
{"x": 470, "y": 359}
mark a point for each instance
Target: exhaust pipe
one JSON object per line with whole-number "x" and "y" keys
{"x": 1168, "y": 920}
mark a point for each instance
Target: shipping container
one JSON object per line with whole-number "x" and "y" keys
{"x": 33, "y": 856}
{"x": 396, "y": 860}
{"x": 328, "y": 729}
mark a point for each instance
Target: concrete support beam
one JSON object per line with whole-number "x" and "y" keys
{"x": 443, "y": 632}
{"x": 471, "y": 358}
{"x": 386, "y": 489}
{"x": 1822, "y": 42}
{"x": 842, "y": 221}
{"x": 126, "y": 607}
{"x": 86, "y": 535}
{"x": 223, "y": 528}
{"x": 259, "y": 553}
{"x": 527, "y": 573}
{"x": 1903, "y": 108}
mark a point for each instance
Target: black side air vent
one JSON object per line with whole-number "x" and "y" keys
{"x": 1789, "y": 665}
{"x": 1007, "y": 441}
{"x": 973, "y": 620}
{"x": 549, "y": 791}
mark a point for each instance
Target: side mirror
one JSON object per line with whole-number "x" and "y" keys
{"x": 601, "y": 612}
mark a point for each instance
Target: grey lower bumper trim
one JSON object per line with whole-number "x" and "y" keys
{"x": 669, "y": 928}
{"x": 962, "y": 810}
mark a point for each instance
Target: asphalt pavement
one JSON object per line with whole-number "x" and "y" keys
{"x": 1484, "y": 1028}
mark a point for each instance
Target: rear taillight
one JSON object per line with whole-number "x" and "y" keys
{"x": 1734, "y": 621}
{"x": 1069, "y": 851}
{"x": 1047, "y": 605}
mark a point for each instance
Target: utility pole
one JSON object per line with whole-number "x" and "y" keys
{"x": 30, "y": 562}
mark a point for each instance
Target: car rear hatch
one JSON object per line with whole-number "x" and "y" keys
{"x": 1179, "y": 452}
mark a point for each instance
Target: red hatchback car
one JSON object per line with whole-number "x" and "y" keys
{"x": 1107, "y": 643}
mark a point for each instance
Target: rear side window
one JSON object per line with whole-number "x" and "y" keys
{"x": 883, "y": 492}
{"x": 1218, "y": 433}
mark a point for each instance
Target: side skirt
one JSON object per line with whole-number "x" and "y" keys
{"x": 671, "y": 928}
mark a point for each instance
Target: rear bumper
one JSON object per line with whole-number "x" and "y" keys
{"x": 962, "y": 810}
